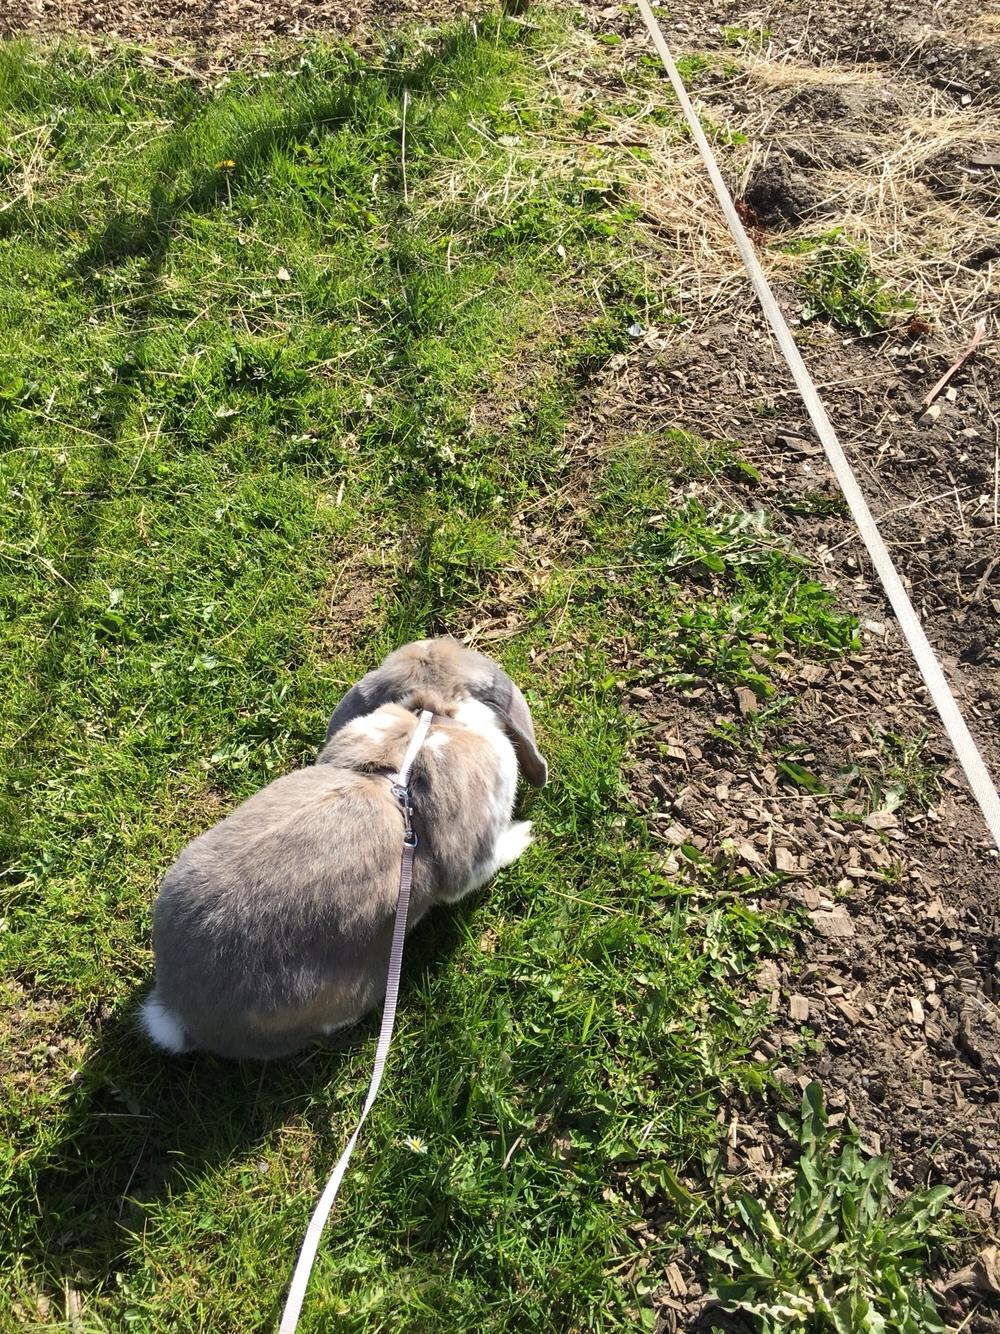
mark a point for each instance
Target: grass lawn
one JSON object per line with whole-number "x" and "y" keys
{"x": 290, "y": 369}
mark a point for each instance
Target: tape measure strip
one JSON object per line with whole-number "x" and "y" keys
{"x": 978, "y": 776}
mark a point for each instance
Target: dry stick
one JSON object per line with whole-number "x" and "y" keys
{"x": 977, "y": 338}
{"x": 402, "y": 146}
{"x": 958, "y": 503}
{"x": 980, "y": 588}
{"x": 510, "y": 1153}
{"x": 896, "y": 509}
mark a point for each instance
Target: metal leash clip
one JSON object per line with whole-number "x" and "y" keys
{"x": 402, "y": 795}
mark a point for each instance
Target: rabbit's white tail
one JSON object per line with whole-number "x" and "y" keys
{"x": 162, "y": 1026}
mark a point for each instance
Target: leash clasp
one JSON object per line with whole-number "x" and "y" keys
{"x": 402, "y": 795}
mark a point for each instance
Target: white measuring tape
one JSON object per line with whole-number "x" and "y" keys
{"x": 310, "y": 1244}
{"x": 982, "y": 785}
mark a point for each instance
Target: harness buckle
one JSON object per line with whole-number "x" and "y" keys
{"x": 402, "y": 795}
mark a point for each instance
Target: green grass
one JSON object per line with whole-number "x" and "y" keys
{"x": 892, "y": 772}
{"x": 746, "y": 38}
{"x": 746, "y": 597}
{"x": 840, "y": 284}
{"x": 269, "y": 407}
{"x": 840, "y": 1250}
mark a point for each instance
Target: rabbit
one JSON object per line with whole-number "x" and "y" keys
{"x": 273, "y": 927}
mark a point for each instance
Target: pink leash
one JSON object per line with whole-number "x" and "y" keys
{"x": 310, "y": 1243}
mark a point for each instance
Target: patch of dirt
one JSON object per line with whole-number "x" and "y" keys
{"x": 901, "y": 981}
{"x": 217, "y": 27}
{"x": 951, "y": 45}
{"x": 779, "y": 196}
{"x": 348, "y": 603}
{"x": 899, "y": 976}
{"x": 966, "y": 171}
{"x": 835, "y": 123}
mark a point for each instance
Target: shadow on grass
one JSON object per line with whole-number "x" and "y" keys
{"x": 141, "y": 1127}
{"x": 147, "y": 236}
{"x": 191, "y": 181}
{"x": 126, "y": 237}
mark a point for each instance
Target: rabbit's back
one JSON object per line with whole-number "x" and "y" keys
{"x": 283, "y": 900}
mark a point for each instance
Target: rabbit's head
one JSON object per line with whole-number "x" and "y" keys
{"x": 439, "y": 674}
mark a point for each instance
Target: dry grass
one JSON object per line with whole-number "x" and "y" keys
{"x": 917, "y": 239}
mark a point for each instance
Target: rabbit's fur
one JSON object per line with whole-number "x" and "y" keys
{"x": 274, "y": 926}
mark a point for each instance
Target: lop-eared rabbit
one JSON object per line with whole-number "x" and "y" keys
{"x": 274, "y": 926}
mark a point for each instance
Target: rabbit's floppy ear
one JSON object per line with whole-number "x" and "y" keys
{"x": 370, "y": 693}
{"x": 408, "y": 668}
{"x": 501, "y": 694}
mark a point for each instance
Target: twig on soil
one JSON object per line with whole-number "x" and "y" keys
{"x": 978, "y": 335}
{"x": 899, "y": 509}
{"x": 968, "y": 1318}
{"x": 980, "y": 588}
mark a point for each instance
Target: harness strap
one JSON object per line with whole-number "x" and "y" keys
{"x": 402, "y": 779}
{"x": 310, "y": 1243}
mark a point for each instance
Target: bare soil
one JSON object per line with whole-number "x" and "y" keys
{"x": 210, "y": 29}
{"x": 900, "y": 978}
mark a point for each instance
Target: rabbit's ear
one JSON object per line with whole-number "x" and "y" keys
{"x": 404, "y": 670}
{"x": 371, "y": 692}
{"x": 501, "y": 694}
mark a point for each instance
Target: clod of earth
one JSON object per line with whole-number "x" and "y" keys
{"x": 780, "y": 196}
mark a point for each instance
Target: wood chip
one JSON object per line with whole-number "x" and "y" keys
{"x": 746, "y": 700}
{"x": 835, "y": 925}
{"x": 812, "y": 674}
{"x": 784, "y": 860}
{"x": 881, "y": 820}
{"x": 675, "y": 1280}
{"x": 798, "y": 1008}
{"x": 767, "y": 975}
{"x": 852, "y": 1015}
{"x": 917, "y": 1010}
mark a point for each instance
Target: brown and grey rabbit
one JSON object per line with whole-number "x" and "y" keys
{"x": 274, "y": 926}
